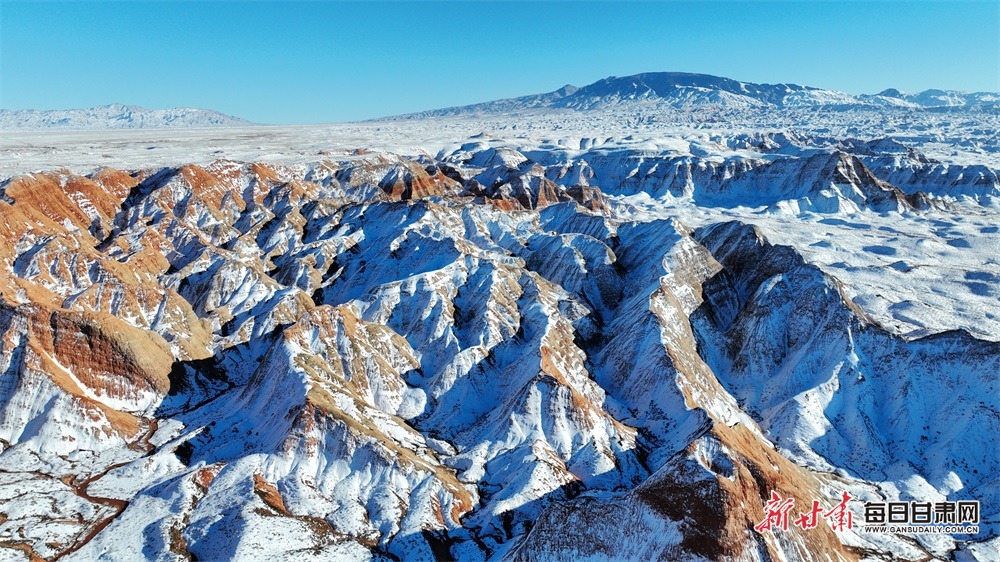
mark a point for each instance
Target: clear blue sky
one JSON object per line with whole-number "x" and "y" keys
{"x": 313, "y": 62}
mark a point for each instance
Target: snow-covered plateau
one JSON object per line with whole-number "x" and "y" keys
{"x": 602, "y": 323}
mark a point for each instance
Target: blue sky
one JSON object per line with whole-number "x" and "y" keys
{"x": 314, "y": 62}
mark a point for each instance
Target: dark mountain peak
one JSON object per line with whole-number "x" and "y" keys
{"x": 891, "y": 93}
{"x": 668, "y": 84}
{"x": 664, "y": 80}
{"x": 567, "y": 90}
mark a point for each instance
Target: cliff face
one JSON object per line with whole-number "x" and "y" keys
{"x": 467, "y": 356}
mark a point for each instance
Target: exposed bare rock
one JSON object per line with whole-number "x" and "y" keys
{"x": 478, "y": 354}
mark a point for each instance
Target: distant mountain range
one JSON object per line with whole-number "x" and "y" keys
{"x": 681, "y": 90}
{"x": 115, "y": 116}
{"x": 654, "y": 90}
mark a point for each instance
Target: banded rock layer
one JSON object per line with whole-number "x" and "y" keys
{"x": 469, "y": 356}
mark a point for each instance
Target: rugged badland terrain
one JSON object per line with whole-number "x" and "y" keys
{"x": 606, "y": 322}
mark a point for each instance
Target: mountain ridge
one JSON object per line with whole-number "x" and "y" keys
{"x": 473, "y": 356}
{"x": 685, "y": 90}
{"x": 115, "y": 116}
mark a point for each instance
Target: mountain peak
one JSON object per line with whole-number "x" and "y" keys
{"x": 891, "y": 93}
{"x": 567, "y": 90}
{"x": 677, "y": 86}
{"x": 687, "y": 91}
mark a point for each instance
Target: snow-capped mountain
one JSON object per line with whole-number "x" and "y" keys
{"x": 538, "y": 337}
{"x": 686, "y": 91}
{"x": 938, "y": 98}
{"x": 680, "y": 90}
{"x": 114, "y": 116}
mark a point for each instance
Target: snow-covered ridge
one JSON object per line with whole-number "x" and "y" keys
{"x": 114, "y": 116}
{"x": 685, "y": 91}
{"x": 471, "y": 354}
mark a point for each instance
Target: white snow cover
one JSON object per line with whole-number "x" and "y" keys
{"x": 769, "y": 271}
{"x": 114, "y": 116}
